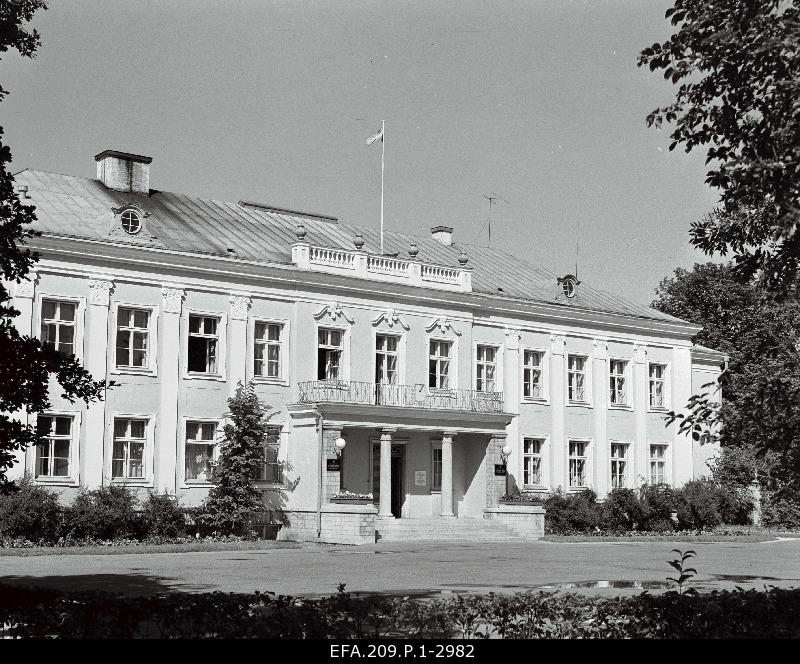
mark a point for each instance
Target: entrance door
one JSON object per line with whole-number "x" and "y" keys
{"x": 398, "y": 477}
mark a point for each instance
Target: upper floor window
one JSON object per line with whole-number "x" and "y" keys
{"x": 618, "y": 393}
{"x": 658, "y": 376}
{"x": 386, "y": 359}
{"x": 486, "y": 368}
{"x": 53, "y": 455}
{"x": 577, "y": 463}
{"x": 58, "y": 325}
{"x": 127, "y": 459}
{"x": 576, "y": 378}
{"x": 658, "y": 464}
{"x": 532, "y": 461}
{"x": 199, "y": 452}
{"x": 133, "y": 331}
{"x": 532, "y": 373}
{"x": 271, "y": 466}
{"x": 619, "y": 465}
{"x": 268, "y": 350}
{"x": 203, "y": 344}
{"x": 330, "y": 346}
{"x": 439, "y": 364}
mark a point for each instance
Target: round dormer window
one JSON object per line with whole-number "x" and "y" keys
{"x": 569, "y": 285}
{"x": 131, "y": 222}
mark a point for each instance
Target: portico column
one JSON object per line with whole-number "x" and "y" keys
{"x": 96, "y": 346}
{"x": 447, "y": 474}
{"x": 385, "y": 499}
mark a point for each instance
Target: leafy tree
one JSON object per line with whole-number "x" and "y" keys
{"x": 234, "y": 496}
{"x": 738, "y": 65}
{"x": 27, "y": 363}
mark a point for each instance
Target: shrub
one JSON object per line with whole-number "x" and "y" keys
{"x": 781, "y": 511}
{"x": 697, "y": 504}
{"x": 658, "y": 502}
{"x": 32, "y": 512}
{"x": 162, "y": 516}
{"x": 566, "y": 514}
{"x": 106, "y": 513}
{"x": 621, "y": 511}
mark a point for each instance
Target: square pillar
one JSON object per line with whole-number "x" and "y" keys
{"x": 332, "y": 479}
{"x": 169, "y": 341}
{"x": 495, "y": 484}
{"x": 385, "y": 499}
{"x": 447, "y": 474}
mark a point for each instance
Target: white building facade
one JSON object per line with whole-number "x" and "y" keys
{"x": 427, "y": 361}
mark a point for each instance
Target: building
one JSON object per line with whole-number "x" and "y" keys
{"x": 441, "y": 365}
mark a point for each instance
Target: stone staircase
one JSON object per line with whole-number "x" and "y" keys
{"x": 443, "y": 530}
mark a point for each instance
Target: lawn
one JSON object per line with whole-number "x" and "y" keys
{"x": 183, "y": 547}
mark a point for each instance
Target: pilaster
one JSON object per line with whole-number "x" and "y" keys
{"x": 512, "y": 399}
{"x": 557, "y": 406}
{"x": 641, "y": 403}
{"x": 495, "y": 484}
{"x": 170, "y": 351}
{"x": 237, "y": 340}
{"x": 600, "y": 382}
{"x": 332, "y": 479}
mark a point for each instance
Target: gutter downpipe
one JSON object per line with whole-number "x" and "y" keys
{"x": 321, "y": 475}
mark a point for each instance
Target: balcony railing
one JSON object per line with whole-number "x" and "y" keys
{"x": 416, "y": 396}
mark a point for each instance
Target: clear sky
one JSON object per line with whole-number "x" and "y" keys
{"x": 538, "y": 101}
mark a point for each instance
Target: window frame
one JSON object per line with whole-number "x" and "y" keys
{"x": 498, "y": 366}
{"x": 73, "y": 479}
{"x": 283, "y": 378}
{"x": 543, "y": 461}
{"x": 587, "y": 373}
{"x": 666, "y": 381}
{"x": 222, "y": 344}
{"x": 588, "y": 464}
{"x": 344, "y": 365}
{"x": 453, "y": 361}
{"x": 147, "y": 456}
{"x": 80, "y": 313}
{"x": 219, "y": 423}
{"x": 626, "y": 377}
{"x": 666, "y": 460}
{"x": 152, "y": 332}
{"x": 627, "y": 445}
{"x": 545, "y": 375}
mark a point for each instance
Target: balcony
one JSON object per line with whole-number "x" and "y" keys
{"x": 403, "y": 396}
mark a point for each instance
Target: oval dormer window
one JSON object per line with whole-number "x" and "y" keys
{"x": 131, "y": 222}
{"x": 569, "y": 285}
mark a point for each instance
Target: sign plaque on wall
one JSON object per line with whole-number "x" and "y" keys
{"x": 420, "y": 478}
{"x": 499, "y": 469}
{"x": 334, "y": 464}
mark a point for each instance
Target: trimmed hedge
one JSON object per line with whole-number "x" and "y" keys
{"x": 38, "y": 613}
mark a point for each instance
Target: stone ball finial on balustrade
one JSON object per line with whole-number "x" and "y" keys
{"x": 358, "y": 241}
{"x": 462, "y": 259}
{"x": 413, "y": 249}
{"x": 300, "y": 232}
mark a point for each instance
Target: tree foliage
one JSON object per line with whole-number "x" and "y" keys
{"x": 27, "y": 364}
{"x": 738, "y": 66}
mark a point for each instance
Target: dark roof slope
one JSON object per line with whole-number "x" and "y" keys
{"x": 83, "y": 208}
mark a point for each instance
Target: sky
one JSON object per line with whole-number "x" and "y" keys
{"x": 540, "y": 102}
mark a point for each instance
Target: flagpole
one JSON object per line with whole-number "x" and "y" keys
{"x": 383, "y": 152}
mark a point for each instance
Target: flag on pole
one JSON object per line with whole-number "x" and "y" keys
{"x": 374, "y": 138}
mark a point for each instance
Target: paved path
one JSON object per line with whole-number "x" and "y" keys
{"x": 412, "y": 568}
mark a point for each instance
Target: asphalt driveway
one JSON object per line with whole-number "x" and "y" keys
{"x": 417, "y": 568}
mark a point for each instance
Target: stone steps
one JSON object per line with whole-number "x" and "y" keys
{"x": 450, "y": 530}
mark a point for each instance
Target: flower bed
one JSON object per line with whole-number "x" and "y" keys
{"x": 349, "y": 498}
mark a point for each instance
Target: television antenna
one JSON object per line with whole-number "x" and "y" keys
{"x": 492, "y": 197}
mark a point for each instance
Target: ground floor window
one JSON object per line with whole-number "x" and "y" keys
{"x": 532, "y": 461}
{"x": 272, "y": 467}
{"x": 130, "y": 438}
{"x": 52, "y": 456}
{"x": 436, "y": 469}
{"x": 619, "y": 465}
{"x": 658, "y": 464}
{"x": 199, "y": 453}
{"x": 577, "y": 463}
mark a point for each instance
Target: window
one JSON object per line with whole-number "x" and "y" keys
{"x": 58, "y": 325}
{"x": 439, "y": 364}
{"x": 486, "y": 368}
{"x": 131, "y": 222}
{"x": 271, "y": 467}
{"x": 436, "y": 469}
{"x": 577, "y": 463}
{"x": 329, "y": 354}
{"x": 386, "y": 359}
{"x": 52, "y": 456}
{"x": 199, "y": 453}
{"x": 658, "y": 374}
{"x": 532, "y": 374}
{"x": 268, "y": 351}
{"x": 618, "y": 393}
{"x": 532, "y": 461}
{"x": 203, "y": 344}
{"x": 130, "y": 438}
{"x": 133, "y": 327}
{"x": 576, "y": 378}
{"x": 619, "y": 465}
{"x": 658, "y": 464}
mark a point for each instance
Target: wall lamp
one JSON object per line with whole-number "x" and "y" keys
{"x": 340, "y": 445}
{"x": 505, "y": 453}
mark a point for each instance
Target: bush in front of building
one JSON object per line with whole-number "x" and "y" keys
{"x": 106, "y": 513}
{"x": 571, "y": 513}
{"x": 621, "y": 511}
{"x": 162, "y": 516}
{"x": 31, "y": 513}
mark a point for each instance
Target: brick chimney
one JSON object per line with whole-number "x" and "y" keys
{"x": 123, "y": 171}
{"x": 443, "y": 234}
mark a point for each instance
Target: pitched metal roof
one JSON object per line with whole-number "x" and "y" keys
{"x": 83, "y": 208}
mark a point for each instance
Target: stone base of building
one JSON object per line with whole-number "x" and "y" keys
{"x": 341, "y": 524}
{"x": 526, "y": 521}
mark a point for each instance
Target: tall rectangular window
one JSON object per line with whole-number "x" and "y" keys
{"x": 436, "y": 469}
{"x": 576, "y": 378}
{"x": 52, "y": 456}
{"x": 577, "y": 463}
{"x": 532, "y": 461}
{"x": 532, "y": 374}
{"x": 271, "y": 466}
{"x": 58, "y": 325}
{"x": 133, "y": 331}
{"x": 618, "y": 393}
{"x": 330, "y": 344}
{"x": 619, "y": 465}
{"x": 658, "y": 464}
{"x": 486, "y": 368}
{"x": 127, "y": 459}
{"x": 203, "y": 344}
{"x": 268, "y": 350}
{"x": 658, "y": 375}
{"x": 199, "y": 453}
{"x": 386, "y": 359}
{"x": 439, "y": 364}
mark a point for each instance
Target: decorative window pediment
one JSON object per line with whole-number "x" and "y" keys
{"x": 442, "y": 326}
{"x": 390, "y": 318}
{"x": 333, "y": 311}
